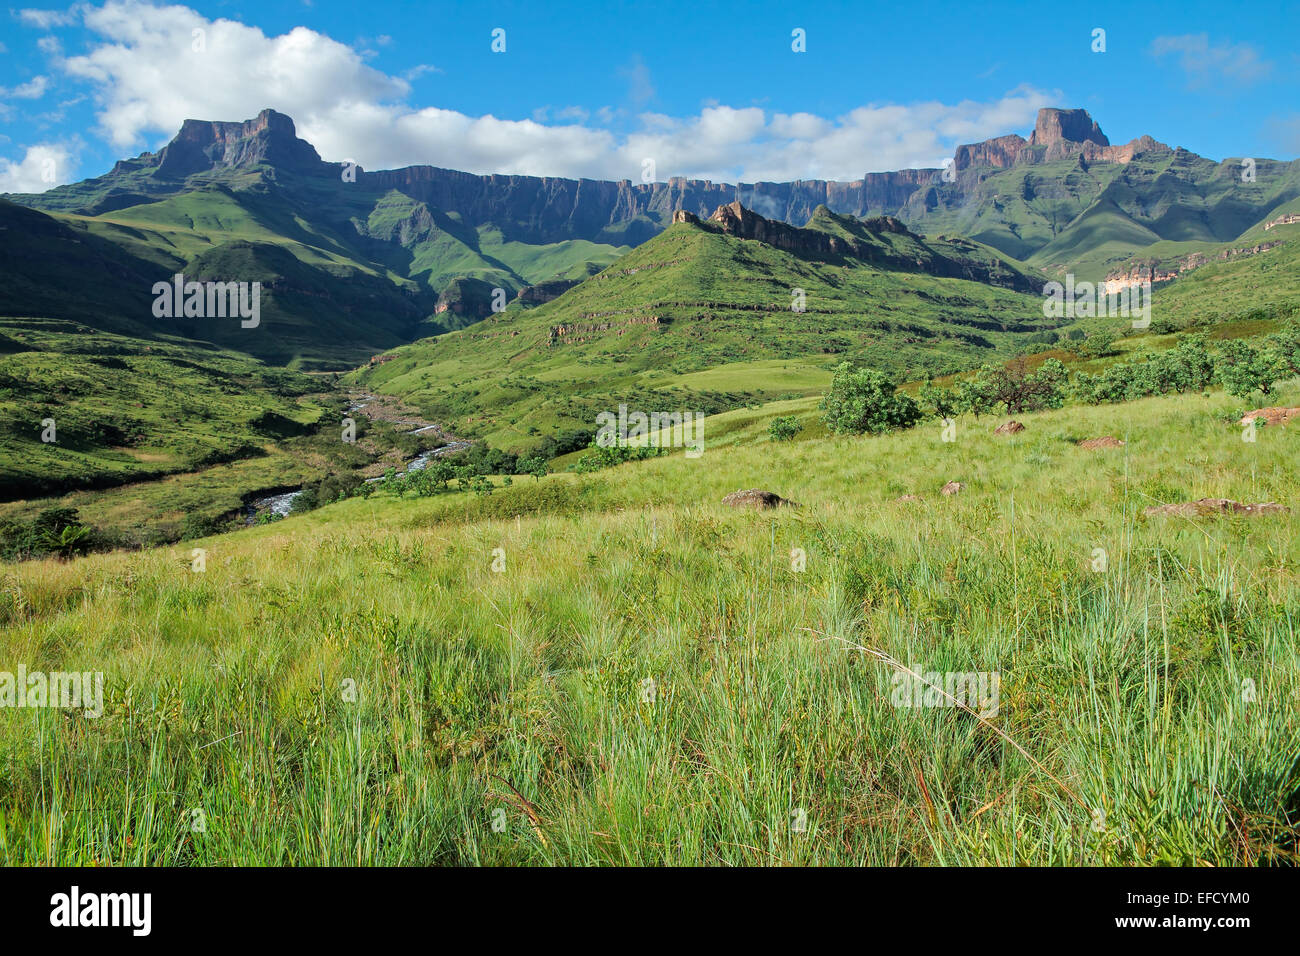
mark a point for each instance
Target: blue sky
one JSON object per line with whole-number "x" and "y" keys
{"x": 695, "y": 89}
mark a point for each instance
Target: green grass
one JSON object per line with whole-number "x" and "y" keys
{"x": 126, "y": 409}
{"x": 704, "y": 321}
{"x": 524, "y": 691}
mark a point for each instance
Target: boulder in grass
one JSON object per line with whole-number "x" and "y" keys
{"x": 1105, "y": 441}
{"x": 1009, "y": 428}
{"x": 1271, "y": 416}
{"x": 1210, "y": 507}
{"x": 952, "y": 488}
{"x": 757, "y": 499}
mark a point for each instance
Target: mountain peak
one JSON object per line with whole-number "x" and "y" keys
{"x": 1058, "y": 134}
{"x": 270, "y": 138}
{"x": 1071, "y": 126}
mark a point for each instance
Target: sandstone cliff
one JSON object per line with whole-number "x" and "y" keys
{"x": 1058, "y": 134}
{"x": 269, "y": 138}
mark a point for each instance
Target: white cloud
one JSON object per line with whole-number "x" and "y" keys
{"x": 148, "y": 79}
{"x": 640, "y": 89}
{"x": 1205, "y": 62}
{"x": 45, "y": 19}
{"x": 42, "y": 167}
{"x": 417, "y": 71}
{"x": 154, "y": 73}
{"x": 33, "y": 89}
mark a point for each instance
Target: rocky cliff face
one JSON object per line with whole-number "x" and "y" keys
{"x": 735, "y": 220}
{"x": 1058, "y": 134}
{"x": 535, "y": 210}
{"x": 1000, "y": 153}
{"x": 545, "y": 209}
{"x": 269, "y": 138}
{"x": 1155, "y": 272}
{"x": 1286, "y": 220}
{"x": 1071, "y": 126}
{"x": 867, "y": 240}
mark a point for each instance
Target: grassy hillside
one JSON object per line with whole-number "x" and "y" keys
{"x": 663, "y": 325}
{"x": 128, "y": 409}
{"x": 1088, "y": 218}
{"x": 648, "y": 679}
{"x": 346, "y": 272}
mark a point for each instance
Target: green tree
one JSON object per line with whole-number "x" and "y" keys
{"x": 972, "y": 395}
{"x": 59, "y": 531}
{"x": 864, "y": 400}
{"x": 536, "y": 466}
{"x": 783, "y": 429}
{"x": 1245, "y": 369}
{"x": 1019, "y": 390}
{"x": 1193, "y": 365}
{"x": 1097, "y": 345}
{"x": 944, "y": 401}
{"x": 1285, "y": 348}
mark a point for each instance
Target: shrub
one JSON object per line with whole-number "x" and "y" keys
{"x": 864, "y": 400}
{"x": 784, "y": 429}
{"x": 1020, "y": 390}
{"x": 1244, "y": 369}
{"x": 195, "y": 525}
{"x": 1098, "y": 345}
{"x": 944, "y": 401}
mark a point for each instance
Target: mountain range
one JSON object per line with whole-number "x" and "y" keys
{"x": 354, "y": 262}
{"x": 513, "y": 310}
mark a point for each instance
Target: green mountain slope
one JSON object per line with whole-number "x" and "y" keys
{"x": 363, "y": 265}
{"x": 1064, "y": 200}
{"x": 126, "y": 409}
{"x": 701, "y": 318}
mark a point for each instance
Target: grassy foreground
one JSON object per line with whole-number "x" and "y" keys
{"x": 1158, "y": 701}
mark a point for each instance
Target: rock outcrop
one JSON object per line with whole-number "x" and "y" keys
{"x": 1273, "y": 415}
{"x": 1071, "y": 126}
{"x": 1283, "y": 221}
{"x": 1155, "y": 273}
{"x": 1058, "y": 134}
{"x": 268, "y": 138}
{"x": 544, "y": 292}
{"x": 757, "y": 499}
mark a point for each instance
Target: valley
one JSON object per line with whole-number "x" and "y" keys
{"x": 367, "y": 587}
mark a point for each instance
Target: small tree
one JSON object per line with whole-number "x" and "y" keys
{"x": 535, "y": 466}
{"x": 1285, "y": 348}
{"x": 1192, "y": 364}
{"x": 1021, "y": 390}
{"x": 865, "y": 400}
{"x": 783, "y": 429}
{"x": 942, "y": 400}
{"x": 1097, "y": 345}
{"x": 1244, "y": 369}
{"x": 972, "y": 395}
